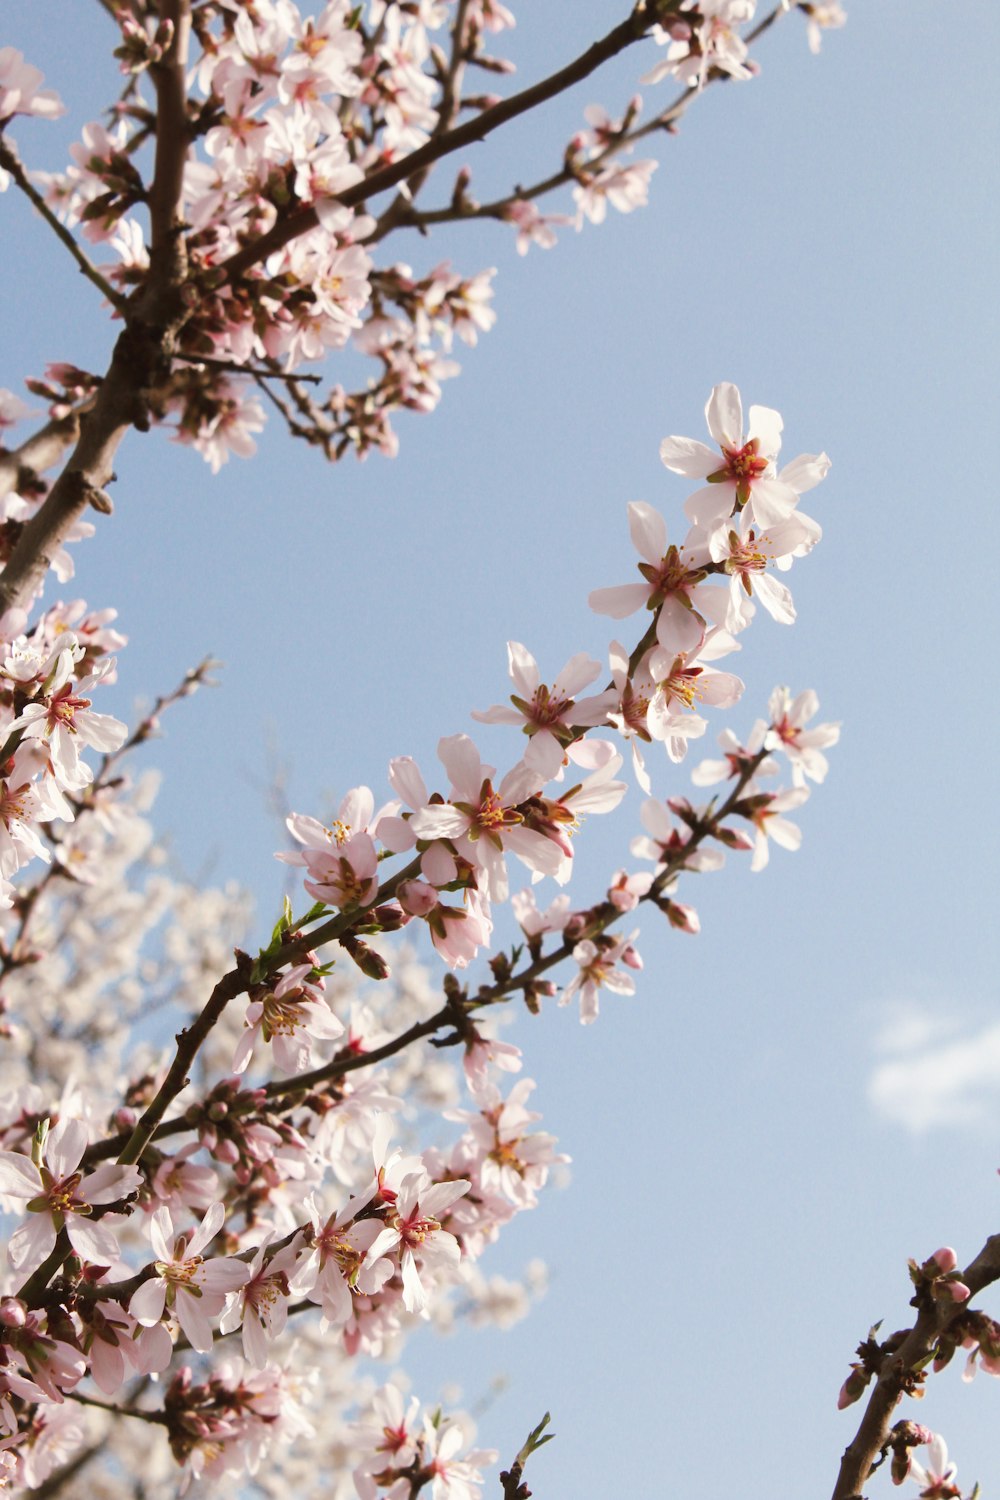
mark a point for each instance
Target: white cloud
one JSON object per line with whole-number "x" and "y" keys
{"x": 936, "y": 1072}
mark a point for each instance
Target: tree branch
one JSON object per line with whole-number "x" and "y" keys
{"x": 172, "y": 130}
{"x": 142, "y": 355}
{"x": 916, "y": 1348}
{"x": 40, "y": 451}
{"x": 12, "y": 163}
{"x": 188, "y": 1042}
{"x": 410, "y": 216}
{"x": 301, "y": 222}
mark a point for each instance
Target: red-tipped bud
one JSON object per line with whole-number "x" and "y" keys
{"x": 852, "y": 1389}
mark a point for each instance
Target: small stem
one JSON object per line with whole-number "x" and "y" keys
{"x": 158, "y": 1417}
{"x": 38, "y": 1280}
{"x": 259, "y": 372}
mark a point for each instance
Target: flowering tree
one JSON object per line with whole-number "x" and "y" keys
{"x": 196, "y": 1227}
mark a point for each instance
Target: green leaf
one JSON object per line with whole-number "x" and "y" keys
{"x": 534, "y": 1440}
{"x": 282, "y": 925}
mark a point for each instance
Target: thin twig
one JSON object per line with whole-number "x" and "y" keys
{"x": 12, "y": 163}
{"x": 259, "y": 372}
{"x": 158, "y": 1417}
{"x": 411, "y": 217}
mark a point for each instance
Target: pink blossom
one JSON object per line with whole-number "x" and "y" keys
{"x": 937, "y": 1477}
{"x": 548, "y": 714}
{"x": 20, "y": 93}
{"x": 747, "y": 475}
{"x": 674, "y": 585}
{"x": 766, "y": 818}
{"x": 55, "y": 1366}
{"x": 669, "y": 841}
{"x": 823, "y": 15}
{"x": 737, "y": 758}
{"x": 681, "y": 681}
{"x": 180, "y": 1184}
{"x": 484, "y": 822}
{"x": 59, "y": 1196}
{"x": 412, "y": 1230}
{"x": 261, "y": 1303}
{"x": 534, "y": 923}
{"x": 624, "y": 185}
{"x": 597, "y": 971}
{"x": 335, "y": 1266}
{"x": 457, "y": 932}
{"x": 187, "y": 1286}
{"x": 389, "y": 1436}
{"x": 454, "y": 1478}
{"x": 630, "y": 716}
{"x": 342, "y": 860}
{"x": 713, "y": 42}
{"x": 65, "y": 720}
{"x": 788, "y": 733}
{"x": 533, "y": 227}
{"x": 745, "y": 554}
{"x": 289, "y": 1018}
{"x": 507, "y": 1157}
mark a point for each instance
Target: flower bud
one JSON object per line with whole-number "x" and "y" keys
{"x": 417, "y": 897}
{"x": 13, "y": 1312}
{"x": 852, "y": 1389}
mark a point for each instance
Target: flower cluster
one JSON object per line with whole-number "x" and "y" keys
{"x": 178, "y": 1209}
{"x": 291, "y": 124}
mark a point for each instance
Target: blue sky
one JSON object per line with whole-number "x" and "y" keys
{"x": 805, "y": 1095}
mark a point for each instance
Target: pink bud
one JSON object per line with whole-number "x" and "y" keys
{"x": 13, "y": 1313}
{"x": 852, "y": 1388}
{"x": 958, "y": 1291}
{"x": 945, "y": 1259}
{"x": 417, "y": 898}
{"x": 684, "y": 918}
{"x": 631, "y": 957}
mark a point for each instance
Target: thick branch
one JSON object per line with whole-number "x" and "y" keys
{"x": 172, "y": 134}
{"x": 90, "y": 468}
{"x": 142, "y": 355}
{"x": 39, "y": 452}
